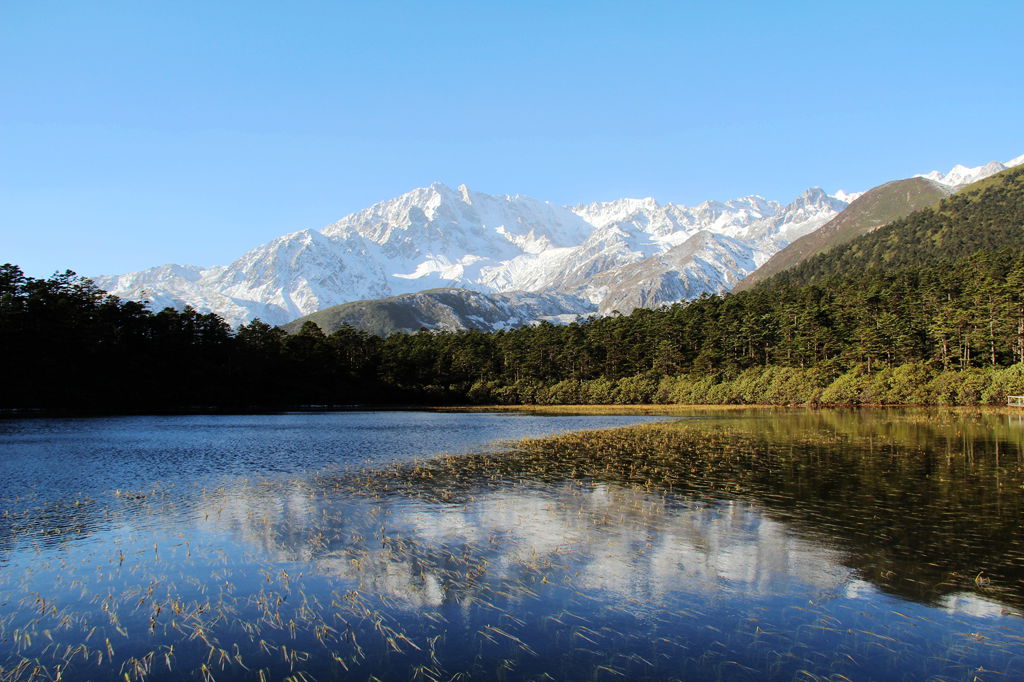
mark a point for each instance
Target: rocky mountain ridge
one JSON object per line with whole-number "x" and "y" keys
{"x": 610, "y": 256}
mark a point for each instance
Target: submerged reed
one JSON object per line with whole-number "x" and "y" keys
{"x": 583, "y": 556}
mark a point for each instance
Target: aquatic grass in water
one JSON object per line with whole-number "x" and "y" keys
{"x": 819, "y": 545}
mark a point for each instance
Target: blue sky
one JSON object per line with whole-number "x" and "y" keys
{"x": 140, "y": 133}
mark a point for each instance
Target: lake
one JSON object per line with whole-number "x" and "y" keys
{"x": 734, "y": 544}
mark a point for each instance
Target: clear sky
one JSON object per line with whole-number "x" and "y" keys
{"x": 139, "y": 133}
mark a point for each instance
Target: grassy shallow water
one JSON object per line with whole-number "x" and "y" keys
{"x": 736, "y": 544}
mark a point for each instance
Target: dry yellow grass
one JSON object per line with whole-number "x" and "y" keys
{"x": 667, "y": 410}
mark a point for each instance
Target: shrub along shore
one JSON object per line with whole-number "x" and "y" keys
{"x": 908, "y": 384}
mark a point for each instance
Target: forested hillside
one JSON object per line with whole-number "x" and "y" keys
{"x": 929, "y": 309}
{"x": 988, "y": 215}
{"x": 878, "y": 206}
{"x": 67, "y": 345}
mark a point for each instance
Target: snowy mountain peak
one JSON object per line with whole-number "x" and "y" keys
{"x": 960, "y": 175}
{"x": 812, "y": 196}
{"x": 602, "y": 213}
{"x": 814, "y": 200}
{"x": 806, "y": 213}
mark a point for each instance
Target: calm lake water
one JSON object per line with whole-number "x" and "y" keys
{"x": 748, "y": 544}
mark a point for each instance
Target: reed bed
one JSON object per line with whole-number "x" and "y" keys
{"x": 556, "y": 558}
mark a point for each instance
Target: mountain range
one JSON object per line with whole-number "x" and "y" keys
{"x": 440, "y": 257}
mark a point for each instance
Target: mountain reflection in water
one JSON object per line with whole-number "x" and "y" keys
{"x": 632, "y": 544}
{"x": 755, "y": 545}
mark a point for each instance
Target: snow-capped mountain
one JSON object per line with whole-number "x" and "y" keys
{"x": 962, "y": 175}
{"x": 277, "y": 281}
{"x": 705, "y": 263}
{"x": 751, "y": 218}
{"x": 439, "y": 237}
{"x": 643, "y": 254}
{"x": 436, "y": 236}
{"x": 614, "y": 255}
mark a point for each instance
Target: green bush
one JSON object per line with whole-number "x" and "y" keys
{"x": 723, "y": 393}
{"x": 848, "y": 388}
{"x": 906, "y": 384}
{"x": 635, "y": 390}
{"x": 751, "y": 385}
{"x": 1003, "y": 383}
{"x": 973, "y": 383}
{"x": 599, "y": 392}
{"x": 687, "y": 389}
{"x": 483, "y": 392}
{"x": 567, "y": 392}
{"x": 666, "y": 386}
{"x": 965, "y": 387}
{"x": 795, "y": 386}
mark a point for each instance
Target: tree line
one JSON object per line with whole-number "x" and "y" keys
{"x": 948, "y": 332}
{"x": 927, "y": 309}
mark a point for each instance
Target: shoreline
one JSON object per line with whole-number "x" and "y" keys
{"x": 653, "y": 409}
{"x": 681, "y": 409}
